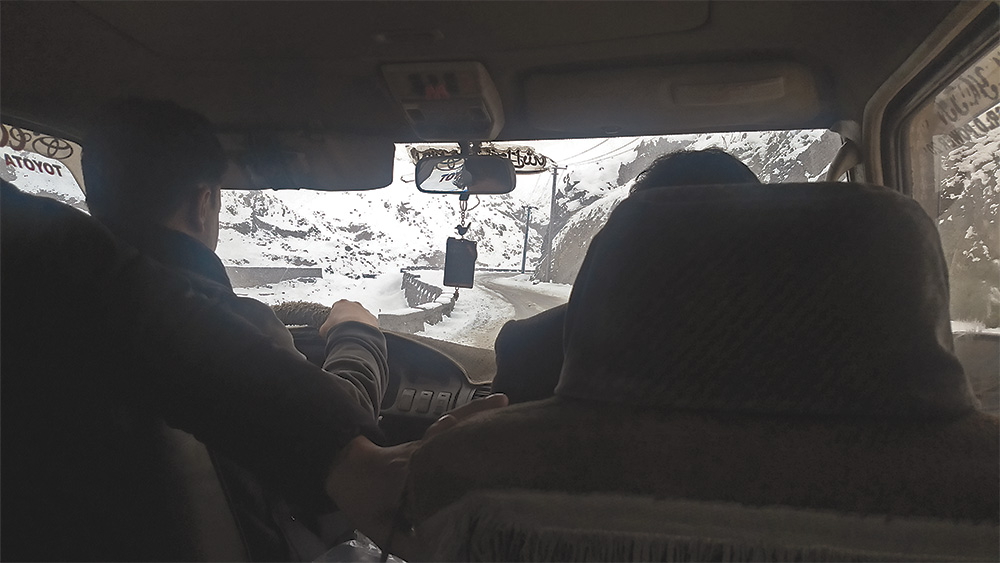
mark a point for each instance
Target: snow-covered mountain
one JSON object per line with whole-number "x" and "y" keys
{"x": 969, "y": 229}
{"x": 361, "y": 234}
{"x": 591, "y": 191}
{"x": 358, "y": 235}
{"x": 366, "y": 233}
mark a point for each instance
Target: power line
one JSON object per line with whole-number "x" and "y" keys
{"x": 620, "y": 150}
{"x": 588, "y": 150}
{"x": 613, "y": 152}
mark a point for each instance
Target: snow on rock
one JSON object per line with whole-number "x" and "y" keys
{"x": 366, "y": 233}
{"x": 357, "y": 234}
{"x": 775, "y": 156}
{"x": 378, "y": 295}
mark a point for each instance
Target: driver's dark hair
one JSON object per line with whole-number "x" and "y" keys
{"x": 694, "y": 168}
{"x": 143, "y": 158}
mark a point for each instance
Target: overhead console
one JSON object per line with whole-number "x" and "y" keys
{"x": 673, "y": 98}
{"x": 447, "y": 101}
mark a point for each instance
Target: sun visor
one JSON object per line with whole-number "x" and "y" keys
{"x": 676, "y": 98}
{"x": 292, "y": 160}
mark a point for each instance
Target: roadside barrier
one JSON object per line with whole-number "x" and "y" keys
{"x": 413, "y": 320}
{"x": 428, "y": 306}
{"x": 418, "y": 292}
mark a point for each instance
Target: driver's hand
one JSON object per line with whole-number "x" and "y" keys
{"x": 366, "y": 481}
{"x": 344, "y": 311}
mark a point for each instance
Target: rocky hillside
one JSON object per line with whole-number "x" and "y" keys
{"x": 366, "y": 233}
{"x": 590, "y": 191}
{"x": 968, "y": 224}
{"x": 363, "y": 234}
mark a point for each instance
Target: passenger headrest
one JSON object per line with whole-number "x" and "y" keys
{"x": 823, "y": 298}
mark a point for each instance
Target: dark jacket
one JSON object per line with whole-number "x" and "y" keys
{"x": 80, "y": 312}
{"x": 275, "y": 527}
{"x": 356, "y": 353}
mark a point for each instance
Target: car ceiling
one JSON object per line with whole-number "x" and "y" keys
{"x": 314, "y": 66}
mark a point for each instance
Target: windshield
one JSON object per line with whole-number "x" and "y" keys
{"x": 41, "y": 164}
{"x": 386, "y": 248}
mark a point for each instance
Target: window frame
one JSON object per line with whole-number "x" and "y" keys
{"x": 971, "y": 44}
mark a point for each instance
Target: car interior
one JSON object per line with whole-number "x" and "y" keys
{"x": 315, "y": 96}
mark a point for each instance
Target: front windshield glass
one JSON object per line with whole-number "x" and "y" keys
{"x": 41, "y": 164}
{"x": 386, "y": 248}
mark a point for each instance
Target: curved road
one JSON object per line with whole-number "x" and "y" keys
{"x": 482, "y": 330}
{"x": 526, "y": 302}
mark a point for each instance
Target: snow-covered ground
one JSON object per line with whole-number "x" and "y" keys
{"x": 478, "y": 315}
{"x": 972, "y": 326}
{"x": 480, "y": 312}
{"x": 378, "y": 295}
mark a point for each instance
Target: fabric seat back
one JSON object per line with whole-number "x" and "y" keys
{"x": 777, "y": 345}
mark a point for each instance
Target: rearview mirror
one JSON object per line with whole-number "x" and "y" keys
{"x": 454, "y": 174}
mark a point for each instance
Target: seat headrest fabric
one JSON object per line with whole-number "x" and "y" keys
{"x": 821, "y": 298}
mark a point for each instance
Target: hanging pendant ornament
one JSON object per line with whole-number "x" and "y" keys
{"x": 460, "y": 254}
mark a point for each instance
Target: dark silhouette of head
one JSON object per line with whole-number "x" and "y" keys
{"x": 695, "y": 168}
{"x": 146, "y": 160}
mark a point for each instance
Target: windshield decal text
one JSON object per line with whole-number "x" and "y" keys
{"x": 525, "y": 159}
{"x": 974, "y": 129}
{"x": 26, "y": 163}
{"x": 972, "y": 89}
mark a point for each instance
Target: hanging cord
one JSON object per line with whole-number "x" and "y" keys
{"x": 463, "y": 212}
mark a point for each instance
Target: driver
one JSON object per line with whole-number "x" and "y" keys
{"x": 98, "y": 343}
{"x": 153, "y": 171}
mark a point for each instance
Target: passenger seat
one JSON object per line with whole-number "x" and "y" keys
{"x": 779, "y": 354}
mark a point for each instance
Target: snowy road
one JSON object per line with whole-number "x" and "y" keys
{"x": 526, "y": 299}
{"x": 480, "y": 312}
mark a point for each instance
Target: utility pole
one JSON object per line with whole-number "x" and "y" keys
{"x": 527, "y": 223}
{"x": 548, "y": 230}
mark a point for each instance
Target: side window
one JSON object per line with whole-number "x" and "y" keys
{"x": 42, "y": 165}
{"x": 951, "y": 155}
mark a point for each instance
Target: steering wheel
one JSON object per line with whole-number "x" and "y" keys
{"x": 424, "y": 382}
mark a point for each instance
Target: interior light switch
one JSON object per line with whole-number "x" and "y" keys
{"x": 405, "y": 399}
{"x": 424, "y": 401}
{"x": 441, "y": 403}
